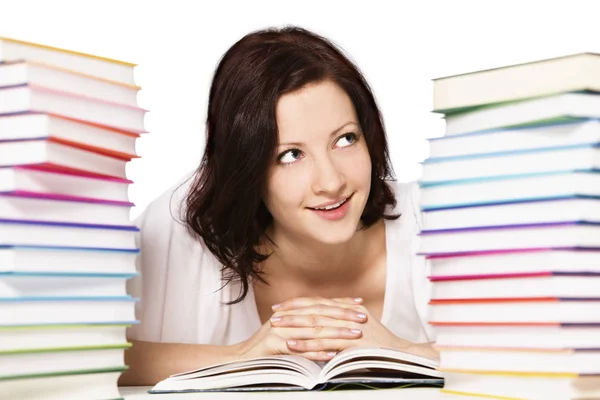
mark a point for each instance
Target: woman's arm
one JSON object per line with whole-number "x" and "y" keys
{"x": 151, "y": 362}
{"x": 423, "y": 349}
{"x": 177, "y": 282}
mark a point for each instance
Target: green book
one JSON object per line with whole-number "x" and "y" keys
{"x": 25, "y": 337}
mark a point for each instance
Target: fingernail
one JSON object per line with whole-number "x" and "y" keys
{"x": 275, "y": 319}
{"x": 355, "y": 331}
{"x": 358, "y": 299}
{"x": 361, "y": 315}
{"x": 331, "y": 353}
{"x": 275, "y": 306}
{"x": 291, "y": 342}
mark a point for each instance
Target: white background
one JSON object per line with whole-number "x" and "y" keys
{"x": 399, "y": 45}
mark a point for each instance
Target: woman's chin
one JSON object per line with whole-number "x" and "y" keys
{"x": 333, "y": 236}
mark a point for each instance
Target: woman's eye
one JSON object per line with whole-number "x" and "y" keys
{"x": 347, "y": 140}
{"x": 290, "y": 156}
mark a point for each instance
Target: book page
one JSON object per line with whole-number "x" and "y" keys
{"x": 378, "y": 358}
{"x": 275, "y": 371}
{"x": 297, "y": 364}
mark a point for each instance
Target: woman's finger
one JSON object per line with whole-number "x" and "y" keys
{"x": 300, "y": 302}
{"x": 304, "y": 321}
{"x": 274, "y": 343}
{"x": 329, "y": 311}
{"x": 318, "y": 355}
{"x": 348, "y": 300}
{"x": 319, "y": 345}
{"x": 318, "y": 332}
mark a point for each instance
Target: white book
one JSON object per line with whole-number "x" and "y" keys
{"x": 521, "y": 386}
{"x": 518, "y": 336}
{"x": 62, "y": 310}
{"x": 29, "y": 233}
{"x": 556, "y": 135}
{"x": 34, "y": 73}
{"x": 577, "y": 72}
{"x": 101, "y": 385}
{"x": 567, "y": 235}
{"x": 102, "y": 67}
{"x": 48, "y": 284}
{"x": 534, "y": 111}
{"x": 67, "y": 311}
{"x": 37, "y": 207}
{"x": 524, "y": 360}
{"x": 30, "y": 259}
{"x": 14, "y": 338}
{"x": 512, "y": 213}
{"x": 525, "y": 311}
{"x": 22, "y": 364}
{"x": 515, "y": 262}
{"x": 36, "y": 126}
{"x": 23, "y": 99}
{"x": 510, "y": 188}
{"x": 527, "y": 285}
{"x": 55, "y": 183}
{"x": 59, "y": 156}
{"x": 351, "y": 365}
{"x": 514, "y": 163}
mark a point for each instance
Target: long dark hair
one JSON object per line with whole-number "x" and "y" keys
{"x": 224, "y": 207}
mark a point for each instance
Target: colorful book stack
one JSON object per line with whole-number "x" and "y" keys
{"x": 511, "y": 205}
{"x": 68, "y": 126}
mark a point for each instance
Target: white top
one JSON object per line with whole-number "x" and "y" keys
{"x": 181, "y": 300}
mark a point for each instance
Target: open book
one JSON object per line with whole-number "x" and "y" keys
{"x": 377, "y": 367}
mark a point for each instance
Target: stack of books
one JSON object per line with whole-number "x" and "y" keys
{"x": 68, "y": 126}
{"x": 510, "y": 196}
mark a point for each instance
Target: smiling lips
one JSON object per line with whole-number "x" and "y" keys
{"x": 331, "y": 206}
{"x": 333, "y": 211}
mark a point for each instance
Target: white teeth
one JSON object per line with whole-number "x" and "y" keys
{"x": 331, "y": 207}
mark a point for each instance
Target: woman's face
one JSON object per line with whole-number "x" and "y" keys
{"x": 319, "y": 182}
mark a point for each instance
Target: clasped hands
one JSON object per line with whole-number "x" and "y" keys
{"x": 319, "y": 328}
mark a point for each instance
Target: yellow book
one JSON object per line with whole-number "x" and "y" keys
{"x": 520, "y": 385}
{"x": 83, "y": 63}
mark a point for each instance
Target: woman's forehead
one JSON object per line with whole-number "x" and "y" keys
{"x": 317, "y": 109}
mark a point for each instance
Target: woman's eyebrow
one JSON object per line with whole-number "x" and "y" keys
{"x": 334, "y": 132}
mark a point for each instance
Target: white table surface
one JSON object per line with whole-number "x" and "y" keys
{"x": 140, "y": 393}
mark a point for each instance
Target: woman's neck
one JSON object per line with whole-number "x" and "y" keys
{"x": 321, "y": 264}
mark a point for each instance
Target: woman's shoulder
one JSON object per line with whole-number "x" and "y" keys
{"x": 404, "y": 250}
{"x": 168, "y": 207}
{"x": 179, "y": 279}
{"x": 407, "y": 206}
{"x": 164, "y": 233}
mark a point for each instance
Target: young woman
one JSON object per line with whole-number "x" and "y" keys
{"x": 291, "y": 237}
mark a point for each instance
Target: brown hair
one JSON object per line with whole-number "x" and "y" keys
{"x": 224, "y": 207}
